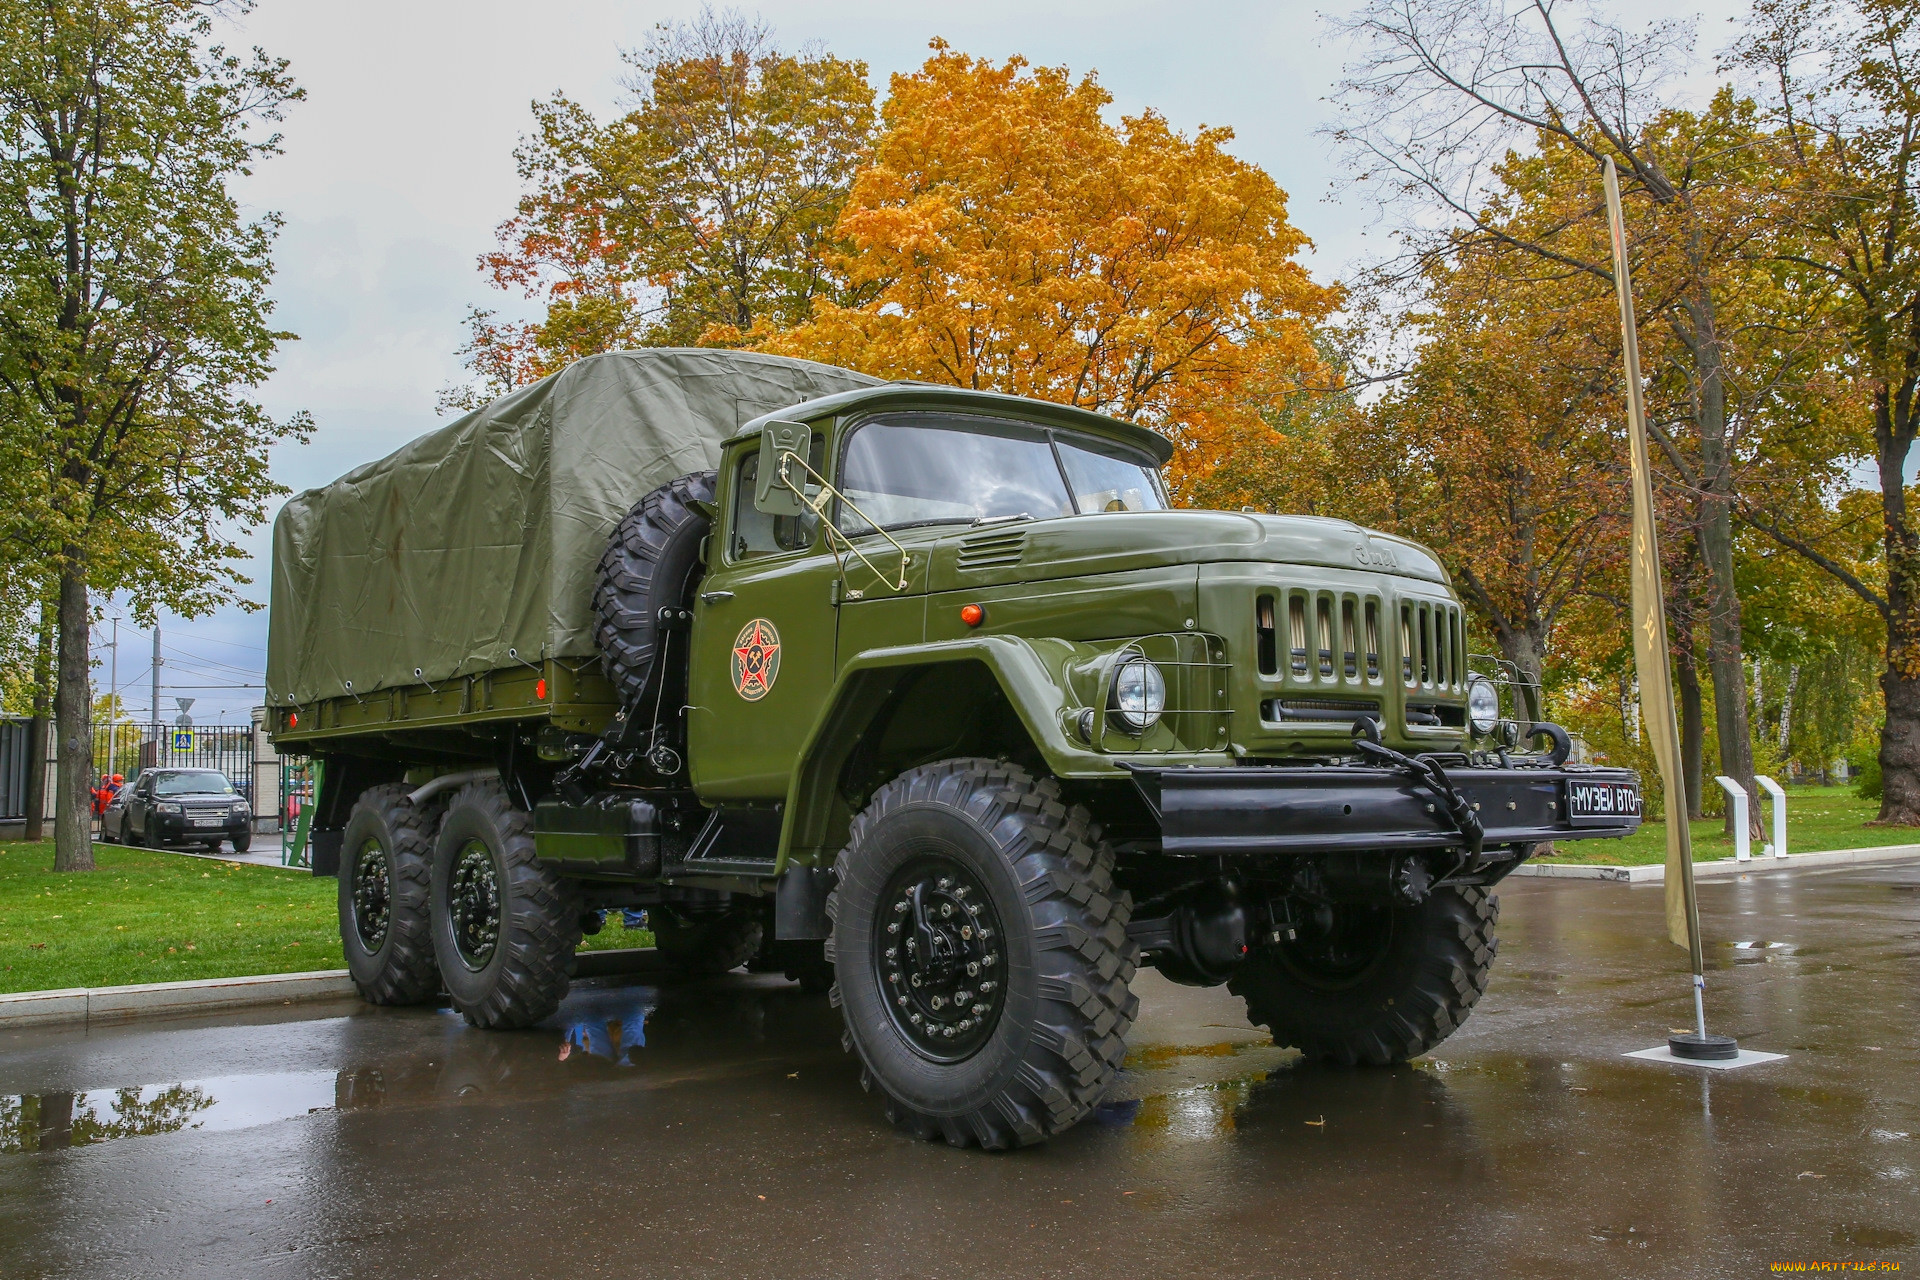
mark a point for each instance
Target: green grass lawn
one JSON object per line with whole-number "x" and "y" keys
{"x": 146, "y": 916}
{"x": 1817, "y": 818}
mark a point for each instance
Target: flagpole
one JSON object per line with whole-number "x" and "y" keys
{"x": 1651, "y": 655}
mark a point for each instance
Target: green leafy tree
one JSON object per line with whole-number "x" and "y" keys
{"x": 1844, "y": 81}
{"x": 133, "y": 322}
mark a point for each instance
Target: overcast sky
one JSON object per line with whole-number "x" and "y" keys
{"x": 399, "y": 165}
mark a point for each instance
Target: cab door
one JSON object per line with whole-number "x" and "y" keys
{"x": 762, "y": 657}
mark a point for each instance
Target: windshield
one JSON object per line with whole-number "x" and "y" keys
{"x": 928, "y": 470}
{"x": 195, "y": 782}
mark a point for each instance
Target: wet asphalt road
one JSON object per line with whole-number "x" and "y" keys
{"x": 716, "y": 1129}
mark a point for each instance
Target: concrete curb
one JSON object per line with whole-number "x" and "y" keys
{"x": 1657, "y": 873}
{"x": 108, "y": 1005}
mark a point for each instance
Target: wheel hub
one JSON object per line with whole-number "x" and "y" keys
{"x": 938, "y": 950}
{"x": 474, "y": 905}
{"x": 372, "y": 895}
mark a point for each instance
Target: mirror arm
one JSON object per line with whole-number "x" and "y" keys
{"x": 819, "y": 508}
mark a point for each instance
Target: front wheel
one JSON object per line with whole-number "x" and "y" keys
{"x": 981, "y": 954}
{"x": 1373, "y": 984}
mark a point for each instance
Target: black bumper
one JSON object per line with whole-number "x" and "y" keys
{"x": 180, "y": 831}
{"x": 1257, "y": 810}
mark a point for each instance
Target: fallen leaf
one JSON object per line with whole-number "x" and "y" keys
{"x": 1321, "y": 1123}
{"x": 1813, "y": 1175}
{"x": 763, "y": 1197}
{"x": 38, "y": 946}
{"x": 1680, "y": 1031}
{"x": 793, "y": 1075}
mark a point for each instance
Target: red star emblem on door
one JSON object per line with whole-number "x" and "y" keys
{"x": 756, "y": 659}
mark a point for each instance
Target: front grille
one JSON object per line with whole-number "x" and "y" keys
{"x": 991, "y": 550}
{"x": 1324, "y": 639}
{"x": 1319, "y": 710}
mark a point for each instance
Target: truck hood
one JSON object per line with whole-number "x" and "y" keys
{"x": 1074, "y": 546}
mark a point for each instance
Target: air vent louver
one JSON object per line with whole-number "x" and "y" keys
{"x": 990, "y": 550}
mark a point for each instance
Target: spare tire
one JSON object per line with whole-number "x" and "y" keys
{"x": 652, "y": 563}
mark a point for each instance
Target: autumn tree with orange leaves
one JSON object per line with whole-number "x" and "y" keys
{"x": 1005, "y": 236}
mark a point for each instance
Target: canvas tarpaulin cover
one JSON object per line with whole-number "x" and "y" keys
{"x": 484, "y": 536}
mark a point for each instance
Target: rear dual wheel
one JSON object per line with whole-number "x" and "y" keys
{"x": 384, "y": 930}
{"x": 504, "y": 927}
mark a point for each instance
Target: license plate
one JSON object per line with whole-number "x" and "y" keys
{"x": 209, "y": 822}
{"x": 1601, "y": 803}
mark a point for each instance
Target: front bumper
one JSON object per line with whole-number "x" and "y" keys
{"x": 1281, "y": 810}
{"x": 178, "y": 830}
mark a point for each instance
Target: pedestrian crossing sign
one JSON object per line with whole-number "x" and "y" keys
{"x": 183, "y": 739}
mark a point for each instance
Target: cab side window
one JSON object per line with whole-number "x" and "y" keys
{"x": 753, "y": 533}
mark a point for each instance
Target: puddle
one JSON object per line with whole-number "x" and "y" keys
{"x": 31, "y": 1122}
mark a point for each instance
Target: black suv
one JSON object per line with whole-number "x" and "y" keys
{"x": 179, "y": 806}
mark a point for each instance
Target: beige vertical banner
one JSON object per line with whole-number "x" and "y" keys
{"x": 1650, "y": 650}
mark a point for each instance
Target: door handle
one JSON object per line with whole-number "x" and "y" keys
{"x": 716, "y": 597}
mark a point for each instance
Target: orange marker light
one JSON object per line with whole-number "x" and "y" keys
{"x": 972, "y": 614}
{"x": 293, "y": 721}
{"x": 540, "y": 689}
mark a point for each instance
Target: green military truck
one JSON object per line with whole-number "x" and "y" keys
{"x": 922, "y": 693}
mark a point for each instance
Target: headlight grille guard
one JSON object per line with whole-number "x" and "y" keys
{"x": 1194, "y": 664}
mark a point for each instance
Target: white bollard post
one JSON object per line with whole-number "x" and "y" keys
{"x": 1737, "y": 797}
{"x": 1779, "y": 800}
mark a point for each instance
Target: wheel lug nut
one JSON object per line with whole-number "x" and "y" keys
{"x": 945, "y": 882}
{"x": 915, "y": 979}
{"x": 892, "y": 952}
{"x": 973, "y": 968}
{"x": 966, "y": 931}
{"x": 894, "y": 927}
{"x": 946, "y": 908}
{"x": 979, "y": 1009}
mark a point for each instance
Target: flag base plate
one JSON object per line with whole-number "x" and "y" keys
{"x": 1695, "y": 1047}
{"x": 1746, "y": 1058}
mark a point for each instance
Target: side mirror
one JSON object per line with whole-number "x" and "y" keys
{"x": 773, "y": 493}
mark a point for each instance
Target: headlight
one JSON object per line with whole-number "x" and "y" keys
{"x": 1139, "y": 696}
{"x": 1483, "y": 705}
{"x": 166, "y": 806}
{"x": 240, "y": 809}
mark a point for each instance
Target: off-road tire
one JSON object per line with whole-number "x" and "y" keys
{"x": 1428, "y": 974}
{"x": 1061, "y": 1029}
{"x": 401, "y": 970}
{"x": 243, "y": 843}
{"x": 529, "y": 967}
{"x": 652, "y": 562}
{"x": 707, "y": 948}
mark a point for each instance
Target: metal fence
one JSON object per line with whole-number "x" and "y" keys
{"x": 241, "y": 752}
{"x": 15, "y": 767}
